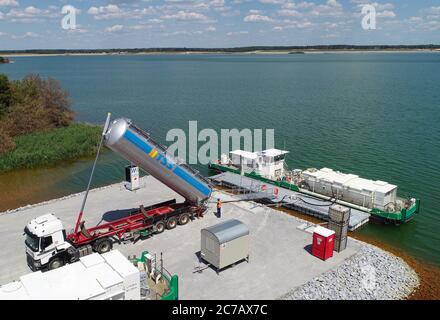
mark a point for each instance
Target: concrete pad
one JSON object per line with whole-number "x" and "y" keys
{"x": 280, "y": 258}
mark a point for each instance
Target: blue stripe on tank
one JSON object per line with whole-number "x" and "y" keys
{"x": 130, "y": 136}
{"x": 191, "y": 180}
{"x": 178, "y": 171}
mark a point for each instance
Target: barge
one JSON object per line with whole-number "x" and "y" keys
{"x": 378, "y": 198}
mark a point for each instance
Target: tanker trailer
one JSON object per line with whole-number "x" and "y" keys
{"x": 48, "y": 247}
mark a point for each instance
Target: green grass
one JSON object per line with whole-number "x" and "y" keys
{"x": 51, "y": 147}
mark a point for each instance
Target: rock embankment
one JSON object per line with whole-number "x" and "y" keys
{"x": 370, "y": 274}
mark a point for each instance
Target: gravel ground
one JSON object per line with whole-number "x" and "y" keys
{"x": 370, "y": 274}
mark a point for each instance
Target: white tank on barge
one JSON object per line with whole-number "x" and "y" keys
{"x": 350, "y": 188}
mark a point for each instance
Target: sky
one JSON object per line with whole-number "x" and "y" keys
{"x": 101, "y": 24}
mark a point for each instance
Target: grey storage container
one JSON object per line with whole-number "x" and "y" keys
{"x": 339, "y": 214}
{"x": 340, "y": 244}
{"x": 340, "y": 230}
{"x": 225, "y": 243}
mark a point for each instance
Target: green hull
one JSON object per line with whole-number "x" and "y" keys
{"x": 398, "y": 217}
{"x": 394, "y": 217}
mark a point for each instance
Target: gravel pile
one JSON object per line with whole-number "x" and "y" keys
{"x": 370, "y": 274}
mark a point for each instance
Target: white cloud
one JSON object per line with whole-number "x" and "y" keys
{"x": 9, "y": 3}
{"x": 139, "y": 27}
{"x": 112, "y": 11}
{"x": 289, "y": 13}
{"x": 109, "y": 10}
{"x": 432, "y": 25}
{"x": 383, "y": 10}
{"x": 431, "y": 11}
{"x": 377, "y": 5}
{"x": 386, "y": 14}
{"x": 31, "y": 34}
{"x": 331, "y": 9}
{"x": 32, "y": 10}
{"x": 93, "y": 10}
{"x": 305, "y": 5}
{"x": 272, "y": 1}
{"x": 416, "y": 19}
{"x": 217, "y": 3}
{"x": 31, "y": 14}
{"x": 186, "y": 16}
{"x": 115, "y": 28}
{"x": 333, "y": 3}
{"x": 427, "y": 20}
{"x": 257, "y": 18}
{"x": 232, "y": 13}
{"x": 293, "y": 24}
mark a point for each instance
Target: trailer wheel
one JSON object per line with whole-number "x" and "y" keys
{"x": 183, "y": 219}
{"x": 159, "y": 227}
{"x": 102, "y": 245}
{"x": 171, "y": 223}
{"x": 56, "y": 263}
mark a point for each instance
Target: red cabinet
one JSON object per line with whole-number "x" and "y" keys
{"x": 323, "y": 243}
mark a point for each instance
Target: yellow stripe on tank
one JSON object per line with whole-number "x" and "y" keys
{"x": 153, "y": 153}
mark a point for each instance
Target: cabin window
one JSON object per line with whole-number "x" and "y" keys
{"x": 46, "y": 242}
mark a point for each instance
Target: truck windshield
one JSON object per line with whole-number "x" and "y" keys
{"x": 32, "y": 241}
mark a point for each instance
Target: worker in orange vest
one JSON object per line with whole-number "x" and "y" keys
{"x": 219, "y": 208}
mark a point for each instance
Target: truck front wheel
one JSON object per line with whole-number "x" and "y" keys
{"x": 102, "y": 245}
{"x": 56, "y": 263}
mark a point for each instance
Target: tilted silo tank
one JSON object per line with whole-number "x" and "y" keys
{"x": 139, "y": 148}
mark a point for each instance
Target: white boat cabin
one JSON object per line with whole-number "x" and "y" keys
{"x": 267, "y": 163}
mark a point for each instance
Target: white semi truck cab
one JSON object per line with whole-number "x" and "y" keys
{"x": 46, "y": 243}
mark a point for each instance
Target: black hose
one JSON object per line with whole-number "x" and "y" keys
{"x": 317, "y": 205}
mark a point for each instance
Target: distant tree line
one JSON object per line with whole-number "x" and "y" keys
{"x": 226, "y": 50}
{"x": 31, "y": 105}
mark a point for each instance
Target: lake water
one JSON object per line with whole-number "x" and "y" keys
{"x": 376, "y": 115}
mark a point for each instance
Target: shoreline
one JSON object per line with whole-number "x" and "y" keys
{"x": 393, "y": 278}
{"x": 75, "y": 140}
{"x": 429, "y": 274}
{"x": 256, "y": 52}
